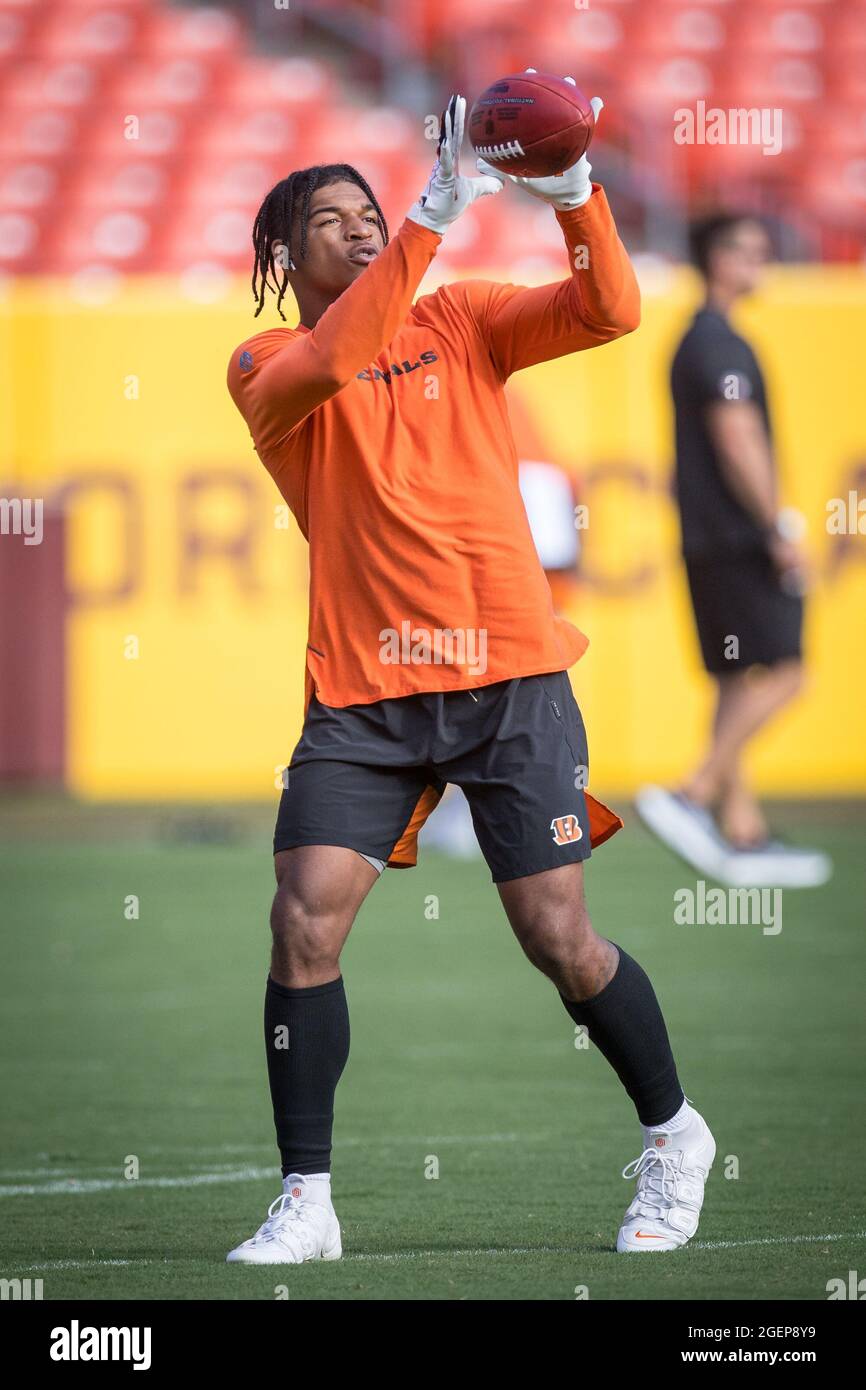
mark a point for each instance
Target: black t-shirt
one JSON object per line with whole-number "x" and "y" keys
{"x": 712, "y": 363}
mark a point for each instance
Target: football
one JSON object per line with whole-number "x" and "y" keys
{"x": 531, "y": 124}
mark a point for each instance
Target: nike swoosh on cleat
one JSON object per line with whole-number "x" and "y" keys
{"x": 643, "y": 1235}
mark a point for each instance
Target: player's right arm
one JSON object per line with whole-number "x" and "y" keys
{"x": 275, "y": 380}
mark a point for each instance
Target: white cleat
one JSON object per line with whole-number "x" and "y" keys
{"x": 670, "y": 1173}
{"x": 302, "y": 1225}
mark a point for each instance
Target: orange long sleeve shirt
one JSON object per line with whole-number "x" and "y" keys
{"x": 386, "y": 430}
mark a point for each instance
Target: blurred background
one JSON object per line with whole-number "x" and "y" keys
{"x": 151, "y": 646}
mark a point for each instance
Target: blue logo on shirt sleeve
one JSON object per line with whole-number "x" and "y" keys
{"x": 245, "y": 361}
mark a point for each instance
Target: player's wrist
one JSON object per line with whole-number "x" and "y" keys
{"x": 419, "y": 218}
{"x": 578, "y": 200}
{"x": 582, "y": 202}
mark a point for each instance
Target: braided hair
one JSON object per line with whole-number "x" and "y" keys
{"x": 275, "y": 222}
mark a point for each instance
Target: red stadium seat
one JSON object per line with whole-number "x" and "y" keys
{"x": 675, "y": 29}
{"x": 39, "y": 84}
{"x": 789, "y": 29}
{"x": 655, "y": 86}
{"x": 597, "y": 33}
{"x": 755, "y": 80}
{"x": 23, "y": 235}
{"x": 164, "y": 82}
{"x": 219, "y": 182}
{"x": 39, "y": 134}
{"x": 94, "y": 32}
{"x": 27, "y": 186}
{"x": 350, "y": 136}
{"x": 122, "y": 238}
{"x": 155, "y": 132}
{"x": 122, "y": 182}
{"x": 278, "y": 81}
{"x": 263, "y": 130}
{"x": 203, "y": 32}
{"x": 17, "y": 27}
{"x": 212, "y": 235}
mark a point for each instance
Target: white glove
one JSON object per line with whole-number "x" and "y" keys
{"x": 564, "y": 191}
{"x": 448, "y": 192}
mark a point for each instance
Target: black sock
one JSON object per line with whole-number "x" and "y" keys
{"x": 626, "y": 1025}
{"x": 307, "y": 1043}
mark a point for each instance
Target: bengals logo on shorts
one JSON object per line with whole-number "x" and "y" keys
{"x": 566, "y": 829}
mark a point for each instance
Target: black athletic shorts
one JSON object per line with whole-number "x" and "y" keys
{"x": 367, "y": 776}
{"x": 740, "y": 596}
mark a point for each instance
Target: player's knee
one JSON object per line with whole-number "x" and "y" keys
{"x": 557, "y": 938}
{"x": 304, "y": 937}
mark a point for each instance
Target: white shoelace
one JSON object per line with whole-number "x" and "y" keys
{"x": 283, "y": 1208}
{"x": 654, "y": 1171}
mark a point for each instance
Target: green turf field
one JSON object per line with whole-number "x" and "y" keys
{"x": 143, "y": 1038}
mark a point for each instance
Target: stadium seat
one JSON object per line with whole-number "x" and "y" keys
{"x": 203, "y": 32}
{"x": 672, "y": 29}
{"x": 23, "y": 234}
{"x": 90, "y": 31}
{"x": 278, "y": 81}
{"x": 39, "y": 134}
{"x": 262, "y": 130}
{"x": 792, "y": 29}
{"x": 212, "y": 235}
{"x": 126, "y": 181}
{"x": 18, "y": 24}
{"x": 163, "y": 82}
{"x": 123, "y": 238}
{"x": 151, "y": 132}
{"x": 39, "y": 84}
{"x": 28, "y": 185}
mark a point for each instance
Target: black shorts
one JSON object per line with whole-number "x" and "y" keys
{"x": 739, "y": 596}
{"x": 367, "y": 776}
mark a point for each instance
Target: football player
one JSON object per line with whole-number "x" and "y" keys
{"x": 434, "y": 653}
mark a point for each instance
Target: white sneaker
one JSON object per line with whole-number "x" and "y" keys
{"x": 776, "y": 865}
{"x": 671, "y": 1173}
{"x": 302, "y": 1225}
{"x": 686, "y": 828}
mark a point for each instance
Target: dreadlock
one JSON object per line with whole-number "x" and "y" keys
{"x": 275, "y": 223}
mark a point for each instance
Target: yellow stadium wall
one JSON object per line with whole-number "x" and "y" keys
{"x": 174, "y": 538}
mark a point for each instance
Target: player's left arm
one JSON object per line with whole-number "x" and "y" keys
{"x": 600, "y": 299}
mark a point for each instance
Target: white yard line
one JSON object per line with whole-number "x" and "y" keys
{"x": 78, "y": 1264}
{"x": 399, "y": 1256}
{"x": 261, "y": 1150}
{"x": 774, "y": 1240}
{"x": 567, "y": 1250}
{"x": 81, "y": 1187}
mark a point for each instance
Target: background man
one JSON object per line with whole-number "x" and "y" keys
{"x": 745, "y": 570}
